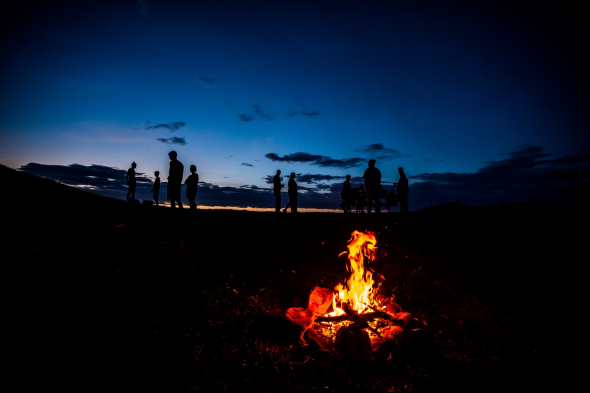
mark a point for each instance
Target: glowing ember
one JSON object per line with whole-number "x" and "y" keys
{"x": 358, "y": 290}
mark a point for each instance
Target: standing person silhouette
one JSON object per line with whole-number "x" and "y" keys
{"x": 346, "y": 195}
{"x": 130, "y": 178}
{"x": 292, "y": 191}
{"x": 361, "y": 199}
{"x": 156, "y": 188}
{"x": 372, "y": 178}
{"x": 403, "y": 190}
{"x": 174, "y": 180}
{"x": 192, "y": 186}
{"x": 276, "y": 181}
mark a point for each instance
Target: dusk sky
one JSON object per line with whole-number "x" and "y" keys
{"x": 479, "y": 103}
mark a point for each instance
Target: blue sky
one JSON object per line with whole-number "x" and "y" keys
{"x": 241, "y": 89}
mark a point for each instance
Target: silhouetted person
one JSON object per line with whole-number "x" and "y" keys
{"x": 403, "y": 190}
{"x": 276, "y": 181}
{"x": 175, "y": 180}
{"x": 292, "y": 191}
{"x": 361, "y": 199}
{"x": 346, "y": 194}
{"x": 130, "y": 178}
{"x": 156, "y": 188}
{"x": 372, "y": 178}
{"x": 192, "y": 186}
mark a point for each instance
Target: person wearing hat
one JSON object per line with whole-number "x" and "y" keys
{"x": 174, "y": 180}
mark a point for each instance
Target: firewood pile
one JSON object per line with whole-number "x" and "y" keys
{"x": 359, "y": 327}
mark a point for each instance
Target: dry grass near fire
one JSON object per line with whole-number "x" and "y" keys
{"x": 141, "y": 299}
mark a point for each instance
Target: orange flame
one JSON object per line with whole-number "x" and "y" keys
{"x": 358, "y": 290}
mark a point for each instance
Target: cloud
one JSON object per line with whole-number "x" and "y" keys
{"x": 315, "y": 159}
{"x": 295, "y": 157}
{"x": 310, "y": 114}
{"x": 245, "y": 117}
{"x": 174, "y": 140}
{"x": 313, "y": 179}
{"x": 302, "y": 109}
{"x": 433, "y": 160}
{"x": 102, "y": 179}
{"x": 171, "y": 127}
{"x": 256, "y": 114}
{"x": 205, "y": 81}
{"x": 303, "y": 113}
{"x": 381, "y": 152}
{"x": 526, "y": 172}
{"x": 246, "y": 164}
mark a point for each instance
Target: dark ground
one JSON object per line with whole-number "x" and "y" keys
{"x": 106, "y": 296}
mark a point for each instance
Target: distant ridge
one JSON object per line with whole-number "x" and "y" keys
{"x": 33, "y": 196}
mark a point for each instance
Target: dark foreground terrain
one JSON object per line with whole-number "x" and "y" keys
{"x": 110, "y": 297}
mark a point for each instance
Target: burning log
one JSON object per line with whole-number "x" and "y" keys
{"x": 303, "y": 318}
{"x": 361, "y": 322}
{"x": 319, "y": 302}
{"x": 319, "y": 340}
{"x": 403, "y": 318}
{"x": 354, "y": 345}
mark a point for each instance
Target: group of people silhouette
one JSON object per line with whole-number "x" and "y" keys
{"x": 175, "y": 174}
{"x": 291, "y": 191}
{"x": 371, "y": 192}
{"x": 368, "y": 194}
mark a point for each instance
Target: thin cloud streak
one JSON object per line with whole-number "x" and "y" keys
{"x": 174, "y": 140}
{"x": 381, "y": 153}
{"x": 314, "y": 159}
{"x": 175, "y": 126}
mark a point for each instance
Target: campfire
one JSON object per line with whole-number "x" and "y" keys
{"x": 354, "y": 318}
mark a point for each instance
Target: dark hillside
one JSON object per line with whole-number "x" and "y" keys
{"x": 129, "y": 298}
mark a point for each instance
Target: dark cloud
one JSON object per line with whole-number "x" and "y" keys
{"x": 245, "y": 117}
{"x": 524, "y": 173}
{"x": 380, "y": 152}
{"x": 261, "y": 114}
{"x": 315, "y": 159}
{"x": 295, "y": 157}
{"x": 345, "y": 163}
{"x": 303, "y": 113}
{"x": 256, "y": 114}
{"x": 205, "y": 81}
{"x": 312, "y": 179}
{"x": 246, "y": 164}
{"x": 433, "y": 160}
{"x": 170, "y": 127}
{"x": 174, "y": 140}
{"x": 104, "y": 180}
